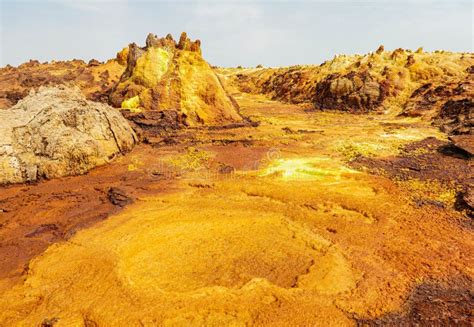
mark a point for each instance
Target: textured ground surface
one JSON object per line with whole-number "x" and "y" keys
{"x": 254, "y": 225}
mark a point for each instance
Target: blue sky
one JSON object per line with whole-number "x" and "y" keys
{"x": 273, "y": 33}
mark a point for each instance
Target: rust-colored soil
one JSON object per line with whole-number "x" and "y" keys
{"x": 431, "y": 303}
{"x": 262, "y": 225}
{"x": 431, "y": 169}
{"x": 33, "y": 216}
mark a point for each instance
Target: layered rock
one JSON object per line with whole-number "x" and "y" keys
{"x": 457, "y": 117}
{"x": 57, "y": 132}
{"x": 167, "y": 75}
{"x": 359, "y": 83}
{"x": 356, "y": 92}
{"x": 450, "y": 105}
{"x": 464, "y": 142}
{"x": 295, "y": 84}
{"x": 428, "y": 100}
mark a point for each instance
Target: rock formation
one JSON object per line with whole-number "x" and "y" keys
{"x": 96, "y": 80}
{"x": 457, "y": 116}
{"x": 57, "y": 132}
{"x": 356, "y": 92}
{"x": 451, "y": 107}
{"x": 165, "y": 75}
{"x": 464, "y": 142}
{"x": 457, "y": 119}
{"x": 363, "y": 83}
{"x": 428, "y": 100}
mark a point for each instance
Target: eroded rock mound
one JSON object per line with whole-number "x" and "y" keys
{"x": 57, "y": 132}
{"x": 165, "y": 75}
{"x": 356, "y": 92}
{"x": 451, "y": 107}
{"x": 432, "y": 99}
{"x": 380, "y": 80}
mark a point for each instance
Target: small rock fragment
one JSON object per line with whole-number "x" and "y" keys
{"x": 94, "y": 62}
{"x": 118, "y": 197}
{"x": 468, "y": 198}
{"x": 43, "y": 228}
{"x": 463, "y": 142}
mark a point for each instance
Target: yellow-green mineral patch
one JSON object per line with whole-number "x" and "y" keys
{"x": 307, "y": 169}
{"x": 132, "y": 104}
{"x": 152, "y": 66}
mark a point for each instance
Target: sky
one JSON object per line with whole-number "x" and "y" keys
{"x": 247, "y": 33}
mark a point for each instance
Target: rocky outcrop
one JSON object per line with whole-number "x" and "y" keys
{"x": 362, "y": 83}
{"x": 457, "y": 116}
{"x": 154, "y": 126}
{"x": 450, "y": 106}
{"x": 57, "y": 132}
{"x": 457, "y": 119}
{"x": 294, "y": 84}
{"x": 430, "y": 99}
{"x": 354, "y": 92}
{"x": 95, "y": 79}
{"x": 172, "y": 76}
{"x": 463, "y": 142}
{"x": 468, "y": 200}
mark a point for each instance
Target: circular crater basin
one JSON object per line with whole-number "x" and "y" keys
{"x": 185, "y": 256}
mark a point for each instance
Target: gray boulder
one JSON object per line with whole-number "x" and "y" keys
{"x": 57, "y": 132}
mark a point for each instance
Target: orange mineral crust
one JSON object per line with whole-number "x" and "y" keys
{"x": 277, "y": 224}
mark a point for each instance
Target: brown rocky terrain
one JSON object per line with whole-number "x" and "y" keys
{"x": 451, "y": 107}
{"x": 356, "y": 92}
{"x": 340, "y": 202}
{"x": 381, "y": 80}
{"x": 427, "y": 100}
{"x": 437, "y": 87}
{"x": 95, "y": 79}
